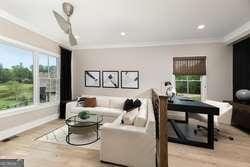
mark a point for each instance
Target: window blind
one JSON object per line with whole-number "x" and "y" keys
{"x": 189, "y": 65}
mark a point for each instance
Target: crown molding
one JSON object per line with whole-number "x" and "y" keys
{"x": 5, "y": 15}
{"x": 230, "y": 38}
{"x": 238, "y": 33}
{"x": 26, "y": 46}
{"x": 150, "y": 44}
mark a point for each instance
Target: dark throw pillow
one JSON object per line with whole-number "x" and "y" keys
{"x": 128, "y": 105}
{"x": 137, "y": 103}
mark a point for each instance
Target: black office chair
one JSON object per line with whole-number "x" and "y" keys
{"x": 217, "y": 132}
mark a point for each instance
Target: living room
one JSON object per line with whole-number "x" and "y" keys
{"x": 88, "y": 83}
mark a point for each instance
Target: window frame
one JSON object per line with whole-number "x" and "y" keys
{"x": 48, "y": 77}
{"x": 35, "y": 52}
{"x": 203, "y": 85}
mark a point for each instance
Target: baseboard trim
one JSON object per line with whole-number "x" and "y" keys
{"x": 19, "y": 129}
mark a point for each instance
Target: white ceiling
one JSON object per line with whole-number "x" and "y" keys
{"x": 99, "y": 22}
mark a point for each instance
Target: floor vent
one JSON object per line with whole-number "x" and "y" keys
{"x": 9, "y": 139}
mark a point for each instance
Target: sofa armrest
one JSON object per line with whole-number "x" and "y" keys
{"x": 69, "y": 107}
{"x": 225, "y": 116}
{"x": 150, "y": 126}
{"x": 127, "y": 145}
{"x": 122, "y": 128}
{"x": 118, "y": 120}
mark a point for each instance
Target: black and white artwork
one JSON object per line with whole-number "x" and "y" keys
{"x": 92, "y": 79}
{"x": 130, "y": 79}
{"x": 110, "y": 79}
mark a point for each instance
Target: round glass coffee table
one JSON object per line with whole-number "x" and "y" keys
{"x": 78, "y": 126}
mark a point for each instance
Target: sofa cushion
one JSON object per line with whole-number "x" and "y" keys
{"x": 142, "y": 116}
{"x": 102, "y": 102}
{"x": 90, "y": 102}
{"x": 129, "y": 117}
{"x": 112, "y": 112}
{"x": 116, "y": 103}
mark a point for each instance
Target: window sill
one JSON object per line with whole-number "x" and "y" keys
{"x": 21, "y": 110}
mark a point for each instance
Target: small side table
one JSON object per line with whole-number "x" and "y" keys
{"x": 241, "y": 116}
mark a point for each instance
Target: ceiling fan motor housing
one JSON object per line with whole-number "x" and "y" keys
{"x": 68, "y": 9}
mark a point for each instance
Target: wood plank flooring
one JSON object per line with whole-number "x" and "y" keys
{"x": 42, "y": 154}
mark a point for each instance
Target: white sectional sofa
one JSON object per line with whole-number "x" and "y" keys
{"x": 225, "y": 116}
{"x": 109, "y": 107}
{"x": 129, "y": 145}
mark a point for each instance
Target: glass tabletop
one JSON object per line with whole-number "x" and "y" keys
{"x": 76, "y": 121}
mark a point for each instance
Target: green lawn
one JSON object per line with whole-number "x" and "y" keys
{"x": 14, "y": 94}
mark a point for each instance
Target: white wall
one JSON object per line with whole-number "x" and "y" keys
{"x": 12, "y": 124}
{"x": 155, "y": 65}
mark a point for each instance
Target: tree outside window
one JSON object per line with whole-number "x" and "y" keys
{"x": 189, "y": 86}
{"x": 16, "y": 77}
{"x": 17, "y": 68}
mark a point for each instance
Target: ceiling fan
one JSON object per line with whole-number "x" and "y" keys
{"x": 65, "y": 23}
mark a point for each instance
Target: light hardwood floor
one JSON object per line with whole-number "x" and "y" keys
{"x": 42, "y": 154}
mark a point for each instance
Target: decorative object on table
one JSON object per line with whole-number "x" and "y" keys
{"x": 170, "y": 91}
{"x": 130, "y": 79}
{"x": 110, "y": 79}
{"x": 243, "y": 95}
{"x": 83, "y": 115}
{"x": 92, "y": 79}
{"x": 90, "y": 102}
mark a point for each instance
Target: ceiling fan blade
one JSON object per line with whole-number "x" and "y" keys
{"x": 72, "y": 39}
{"x": 65, "y": 26}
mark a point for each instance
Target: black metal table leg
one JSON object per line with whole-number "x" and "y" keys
{"x": 178, "y": 132}
{"x": 97, "y": 131}
{"x": 186, "y": 117}
{"x": 210, "y": 128}
{"x": 181, "y": 138}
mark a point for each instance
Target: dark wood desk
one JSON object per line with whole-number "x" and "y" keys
{"x": 181, "y": 104}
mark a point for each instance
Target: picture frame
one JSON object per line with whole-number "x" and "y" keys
{"x": 110, "y": 79}
{"x": 92, "y": 78}
{"x": 130, "y": 79}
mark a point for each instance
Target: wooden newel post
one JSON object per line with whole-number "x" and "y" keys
{"x": 160, "y": 110}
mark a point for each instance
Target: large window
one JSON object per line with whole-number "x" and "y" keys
{"x": 189, "y": 86}
{"x": 16, "y": 77}
{"x": 190, "y": 75}
{"x": 19, "y": 83}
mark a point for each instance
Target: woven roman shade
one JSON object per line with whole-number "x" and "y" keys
{"x": 189, "y": 65}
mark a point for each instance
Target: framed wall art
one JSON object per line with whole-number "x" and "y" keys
{"x": 110, "y": 79}
{"x": 92, "y": 78}
{"x": 130, "y": 79}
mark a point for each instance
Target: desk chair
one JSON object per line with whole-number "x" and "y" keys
{"x": 224, "y": 118}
